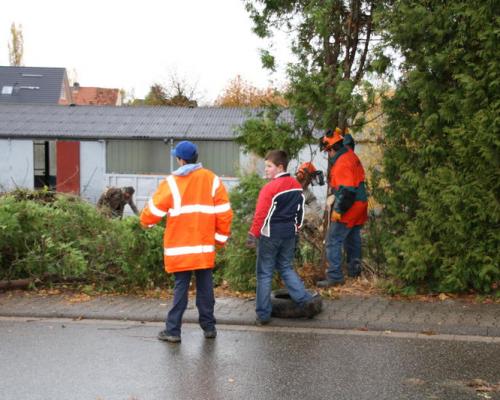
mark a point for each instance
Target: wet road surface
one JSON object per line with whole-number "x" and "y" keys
{"x": 108, "y": 360}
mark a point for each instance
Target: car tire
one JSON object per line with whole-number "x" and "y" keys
{"x": 284, "y": 307}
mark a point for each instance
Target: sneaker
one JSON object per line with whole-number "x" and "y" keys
{"x": 262, "y": 322}
{"x": 211, "y": 334}
{"x": 163, "y": 335}
{"x": 329, "y": 283}
{"x": 313, "y": 307}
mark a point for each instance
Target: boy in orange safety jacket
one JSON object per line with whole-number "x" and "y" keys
{"x": 196, "y": 204}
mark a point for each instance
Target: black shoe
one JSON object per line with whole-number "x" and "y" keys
{"x": 329, "y": 283}
{"x": 262, "y": 322}
{"x": 210, "y": 334}
{"x": 354, "y": 269}
{"x": 163, "y": 335}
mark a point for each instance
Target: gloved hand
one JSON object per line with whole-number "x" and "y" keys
{"x": 336, "y": 216}
{"x": 251, "y": 242}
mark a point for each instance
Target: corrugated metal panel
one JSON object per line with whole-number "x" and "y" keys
{"x": 153, "y": 157}
{"x": 222, "y": 157}
{"x": 106, "y": 122}
{"x": 137, "y": 157}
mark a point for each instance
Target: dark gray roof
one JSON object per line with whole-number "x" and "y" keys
{"x": 107, "y": 122}
{"x": 31, "y": 84}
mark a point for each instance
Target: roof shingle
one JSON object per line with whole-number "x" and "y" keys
{"x": 106, "y": 122}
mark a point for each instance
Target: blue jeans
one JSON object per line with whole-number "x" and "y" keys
{"x": 340, "y": 235}
{"x": 205, "y": 300}
{"x": 277, "y": 254}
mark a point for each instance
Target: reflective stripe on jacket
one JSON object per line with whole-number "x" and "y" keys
{"x": 198, "y": 217}
{"x": 280, "y": 208}
{"x": 347, "y": 179}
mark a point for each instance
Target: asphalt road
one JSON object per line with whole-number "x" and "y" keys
{"x": 108, "y": 360}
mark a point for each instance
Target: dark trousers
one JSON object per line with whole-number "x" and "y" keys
{"x": 205, "y": 300}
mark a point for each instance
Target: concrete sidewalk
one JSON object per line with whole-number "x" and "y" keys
{"x": 373, "y": 313}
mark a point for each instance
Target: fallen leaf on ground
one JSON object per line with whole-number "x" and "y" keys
{"x": 443, "y": 296}
{"x": 79, "y": 298}
{"x": 414, "y": 381}
{"x": 480, "y": 385}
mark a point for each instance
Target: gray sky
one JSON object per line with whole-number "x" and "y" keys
{"x": 131, "y": 44}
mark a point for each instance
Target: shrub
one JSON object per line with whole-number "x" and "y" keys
{"x": 239, "y": 262}
{"x": 62, "y": 237}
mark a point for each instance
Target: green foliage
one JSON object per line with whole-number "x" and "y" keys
{"x": 239, "y": 262}
{"x": 332, "y": 44}
{"x": 157, "y": 96}
{"x": 441, "y": 164}
{"x": 268, "y": 132}
{"x": 63, "y": 237}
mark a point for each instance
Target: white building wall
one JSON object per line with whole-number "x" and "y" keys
{"x": 16, "y": 164}
{"x": 92, "y": 169}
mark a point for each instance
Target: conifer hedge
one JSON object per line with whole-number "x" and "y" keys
{"x": 440, "y": 186}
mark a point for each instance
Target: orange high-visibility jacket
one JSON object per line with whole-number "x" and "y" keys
{"x": 198, "y": 217}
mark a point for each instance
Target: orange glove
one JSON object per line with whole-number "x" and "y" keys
{"x": 336, "y": 216}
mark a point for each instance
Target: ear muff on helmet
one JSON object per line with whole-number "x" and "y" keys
{"x": 329, "y": 142}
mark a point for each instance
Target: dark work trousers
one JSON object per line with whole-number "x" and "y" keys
{"x": 205, "y": 300}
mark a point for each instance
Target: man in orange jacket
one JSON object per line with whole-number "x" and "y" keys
{"x": 350, "y": 210}
{"x": 199, "y": 216}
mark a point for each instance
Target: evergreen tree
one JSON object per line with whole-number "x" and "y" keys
{"x": 441, "y": 161}
{"x": 332, "y": 43}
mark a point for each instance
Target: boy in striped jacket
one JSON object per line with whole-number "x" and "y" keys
{"x": 278, "y": 216}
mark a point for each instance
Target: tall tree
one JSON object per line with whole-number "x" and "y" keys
{"x": 240, "y": 93}
{"x": 180, "y": 92}
{"x": 177, "y": 93}
{"x": 332, "y": 41}
{"x": 157, "y": 96}
{"x": 16, "y": 45}
{"x": 442, "y": 144}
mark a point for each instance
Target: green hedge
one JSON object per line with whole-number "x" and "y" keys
{"x": 44, "y": 235}
{"x": 441, "y": 153}
{"x": 238, "y": 261}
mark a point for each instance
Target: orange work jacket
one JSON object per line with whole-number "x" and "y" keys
{"x": 198, "y": 218}
{"x": 347, "y": 174}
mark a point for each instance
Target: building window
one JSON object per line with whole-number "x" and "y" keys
{"x": 44, "y": 163}
{"x": 7, "y": 90}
